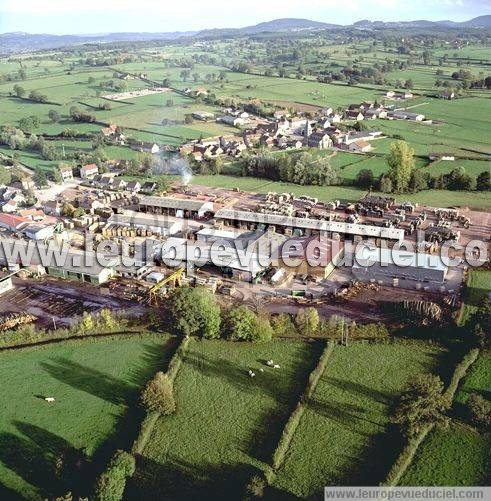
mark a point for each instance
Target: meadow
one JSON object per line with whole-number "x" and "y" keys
{"x": 460, "y": 454}
{"x": 95, "y": 383}
{"x": 478, "y": 287}
{"x": 227, "y": 424}
{"x": 344, "y": 437}
{"x": 432, "y": 198}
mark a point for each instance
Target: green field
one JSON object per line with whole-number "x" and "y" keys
{"x": 95, "y": 384}
{"x": 432, "y": 198}
{"x": 478, "y": 287}
{"x": 344, "y": 436}
{"x": 459, "y": 455}
{"x": 450, "y": 457}
{"x": 227, "y": 424}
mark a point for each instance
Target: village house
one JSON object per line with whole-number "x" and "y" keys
{"x": 35, "y": 215}
{"x": 203, "y": 115}
{"x": 88, "y": 171}
{"x": 10, "y": 207}
{"x": 111, "y": 130}
{"x": 232, "y": 120}
{"x": 149, "y": 187}
{"x": 360, "y": 146}
{"x": 52, "y": 208}
{"x": 133, "y": 186}
{"x": 66, "y": 173}
{"x": 27, "y": 183}
{"x": 442, "y": 156}
{"x": 354, "y": 115}
{"x": 447, "y": 94}
{"x": 12, "y": 222}
{"x": 119, "y": 184}
{"x": 319, "y": 140}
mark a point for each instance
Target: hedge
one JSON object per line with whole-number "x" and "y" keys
{"x": 151, "y": 418}
{"x": 406, "y": 456}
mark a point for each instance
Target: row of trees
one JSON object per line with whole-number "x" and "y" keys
{"x": 299, "y": 167}
{"x": 456, "y": 180}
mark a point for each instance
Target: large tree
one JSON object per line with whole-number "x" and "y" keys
{"x": 401, "y": 165}
{"x": 194, "y": 311}
{"x": 422, "y": 402}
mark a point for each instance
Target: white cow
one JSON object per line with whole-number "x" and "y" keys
{"x": 49, "y": 399}
{"x": 252, "y": 374}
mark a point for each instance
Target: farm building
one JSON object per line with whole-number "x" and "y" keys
{"x": 388, "y": 264}
{"x": 303, "y": 226}
{"x": 178, "y": 207}
{"x": 155, "y": 223}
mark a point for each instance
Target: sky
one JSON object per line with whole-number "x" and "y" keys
{"x": 103, "y": 16}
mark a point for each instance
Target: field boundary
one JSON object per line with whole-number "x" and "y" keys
{"x": 295, "y": 417}
{"x": 406, "y": 456}
{"x": 151, "y": 418}
{"x": 76, "y": 337}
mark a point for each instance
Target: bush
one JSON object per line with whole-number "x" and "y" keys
{"x": 158, "y": 395}
{"x": 111, "y": 483}
{"x": 256, "y": 486}
{"x": 262, "y": 331}
{"x": 479, "y": 410}
{"x": 282, "y": 325}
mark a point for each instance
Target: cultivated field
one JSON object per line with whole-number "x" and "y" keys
{"x": 95, "y": 384}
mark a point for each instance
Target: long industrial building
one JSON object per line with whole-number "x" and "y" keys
{"x": 178, "y": 207}
{"x": 305, "y": 226}
{"x": 379, "y": 264}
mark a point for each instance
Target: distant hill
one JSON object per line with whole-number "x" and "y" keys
{"x": 477, "y": 22}
{"x": 24, "y": 42}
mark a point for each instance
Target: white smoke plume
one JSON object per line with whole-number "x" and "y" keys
{"x": 173, "y": 165}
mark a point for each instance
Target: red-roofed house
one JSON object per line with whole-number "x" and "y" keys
{"x": 13, "y": 223}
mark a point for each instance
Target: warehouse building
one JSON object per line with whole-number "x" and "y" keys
{"x": 317, "y": 256}
{"x": 179, "y": 207}
{"x": 155, "y": 223}
{"x": 304, "y": 226}
{"x": 71, "y": 264}
{"x": 389, "y": 264}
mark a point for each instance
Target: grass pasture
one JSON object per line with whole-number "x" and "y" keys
{"x": 227, "y": 424}
{"x": 458, "y": 455}
{"x": 95, "y": 384}
{"x": 432, "y": 198}
{"x": 477, "y": 288}
{"x": 344, "y": 436}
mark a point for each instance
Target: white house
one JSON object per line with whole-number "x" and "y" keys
{"x": 88, "y": 171}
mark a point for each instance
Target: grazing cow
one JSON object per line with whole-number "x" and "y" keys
{"x": 252, "y": 374}
{"x": 276, "y": 366}
{"x": 270, "y": 363}
{"x": 49, "y": 399}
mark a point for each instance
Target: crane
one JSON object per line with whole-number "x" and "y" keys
{"x": 175, "y": 278}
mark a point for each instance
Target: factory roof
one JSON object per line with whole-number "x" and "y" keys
{"x": 312, "y": 224}
{"x": 367, "y": 256}
{"x": 175, "y": 203}
{"x": 143, "y": 219}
